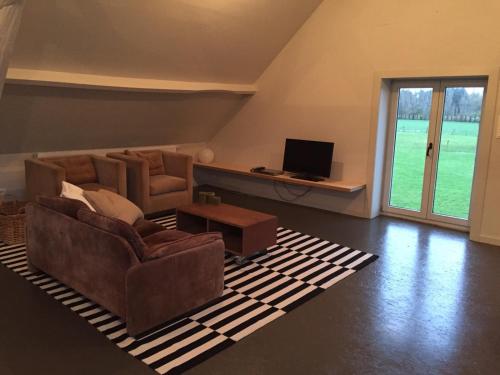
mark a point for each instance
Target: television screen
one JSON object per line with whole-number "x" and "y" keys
{"x": 311, "y": 158}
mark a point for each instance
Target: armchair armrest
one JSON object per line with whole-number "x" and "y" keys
{"x": 179, "y": 165}
{"x": 43, "y": 178}
{"x": 163, "y": 288}
{"x": 137, "y": 178}
{"x": 111, "y": 172}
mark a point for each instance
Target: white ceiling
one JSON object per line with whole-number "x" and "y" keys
{"x": 192, "y": 40}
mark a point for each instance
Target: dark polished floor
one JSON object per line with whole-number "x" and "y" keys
{"x": 430, "y": 304}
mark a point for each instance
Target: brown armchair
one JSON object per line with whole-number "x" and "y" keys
{"x": 158, "y": 180}
{"x": 91, "y": 172}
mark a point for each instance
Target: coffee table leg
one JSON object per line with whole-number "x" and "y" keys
{"x": 239, "y": 260}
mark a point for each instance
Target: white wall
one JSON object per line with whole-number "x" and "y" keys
{"x": 320, "y": 86}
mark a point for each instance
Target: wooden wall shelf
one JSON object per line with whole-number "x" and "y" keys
{"x": 345, "y": 186}
{"x": 99, "y": 82}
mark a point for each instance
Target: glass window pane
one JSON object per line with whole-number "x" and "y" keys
{"x": 412, "y": 128}
{"x": 457, "y": 151}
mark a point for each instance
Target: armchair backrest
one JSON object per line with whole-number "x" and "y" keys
{"x": 79, "y": 169}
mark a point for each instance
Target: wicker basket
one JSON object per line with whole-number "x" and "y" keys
{"x": 12, "y": 222}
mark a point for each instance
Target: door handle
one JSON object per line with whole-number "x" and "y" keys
{"x": 429, "y": 148}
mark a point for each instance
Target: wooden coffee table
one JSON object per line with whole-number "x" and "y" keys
{"x": 245, "y": 232}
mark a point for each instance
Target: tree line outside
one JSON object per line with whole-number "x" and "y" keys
{"x": 460, "y": 105}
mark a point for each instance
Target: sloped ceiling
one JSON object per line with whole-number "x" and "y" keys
{"x": 229, "y": 41}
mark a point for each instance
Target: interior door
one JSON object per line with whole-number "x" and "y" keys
{"x": 431, "y": 149}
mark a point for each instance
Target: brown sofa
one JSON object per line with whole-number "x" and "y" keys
{"x": 90, "y": 172}
{"x": 145, "y": 274}
{"x": 158, "y": 180}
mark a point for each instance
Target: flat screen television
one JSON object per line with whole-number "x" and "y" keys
{"x": 308, "y": 159}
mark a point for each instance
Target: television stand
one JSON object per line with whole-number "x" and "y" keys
{"x": 307, "y": 177}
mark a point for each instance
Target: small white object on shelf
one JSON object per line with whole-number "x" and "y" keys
{"x": 206, "y": 156}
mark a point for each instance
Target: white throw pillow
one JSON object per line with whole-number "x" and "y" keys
{"x": 74, "y": 192}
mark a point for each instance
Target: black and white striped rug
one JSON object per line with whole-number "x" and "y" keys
{"x": 298, "y": 268}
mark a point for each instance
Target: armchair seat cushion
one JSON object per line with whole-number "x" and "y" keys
{"x": 162, "y": 184}
{"x": 79, "y": 169}
{"x": 96, "y": 187}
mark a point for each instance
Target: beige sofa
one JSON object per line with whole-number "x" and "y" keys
{"x": 90, "y": 172}
{"x": 158, "y": 180}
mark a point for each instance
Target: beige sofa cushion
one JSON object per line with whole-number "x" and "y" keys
{"x": 162, "y": 184}
{"x": 114, "y": 205}
{"x": 79, "y": 169}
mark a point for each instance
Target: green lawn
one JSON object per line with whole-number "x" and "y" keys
{"x": 455, "y": 166}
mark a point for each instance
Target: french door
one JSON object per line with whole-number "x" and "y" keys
{"x": 431, "y": 149}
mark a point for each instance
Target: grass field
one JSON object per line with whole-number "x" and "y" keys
{"x": 455, "y": 166}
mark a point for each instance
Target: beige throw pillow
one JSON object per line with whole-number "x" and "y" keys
{"x": 114, "y": 205}
{"x": 74, "y": 192}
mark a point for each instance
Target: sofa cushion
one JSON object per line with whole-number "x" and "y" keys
{"x": 95, "y": 187}
{"x": 153, "y": 157}
{"x": 146, "y": 228}
{"x": 115, "y": 226}
{"x": 161, "y": 238}
{"x": 182, "y": 244}
{"x": 166, "y": 184}
{"x": 62, "y": 205}
{"x": 114, "y": 205}
{"x": 79, "y": 169}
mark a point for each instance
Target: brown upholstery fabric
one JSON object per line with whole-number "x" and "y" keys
{"x": 153, "y": 157}
{"x": 162, "y": 184}
{"x": 65, "y": 206}
{"x": 163, "y": 237}
{"x": 42, "y": 178}
{"x": 183, "y": 243}
{"x": 115, "y": 226}
{"x": 96, "y": 187}
{"x": 103, "y": 267}
{"x": 92, "y": 261}
{"x": 138, "y": 181}
{"x": 146, "y": 228}
{"x": 114, "y": 205}
{"x": 166, "y": 287}
{"x": 79, "y": 169}
{"x": 111, "y": 174}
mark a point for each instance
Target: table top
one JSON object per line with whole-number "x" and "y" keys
{"x": 227, "y": 214}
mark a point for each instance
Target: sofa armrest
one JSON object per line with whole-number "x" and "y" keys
{"x": 43, "y": 178}
{"x": 179, "y": 165}
{"x": 167, "y": 287}
{"x": 111, "y": 172}
{"x": 137, "y": 178}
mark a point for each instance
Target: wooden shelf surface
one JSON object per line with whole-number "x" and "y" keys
{"x": 337, "y": 185}
{"x": 99, "y": 82}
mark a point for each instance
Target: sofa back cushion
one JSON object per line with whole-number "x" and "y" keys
{"x": 66, "y": 206}
{"x": 115, "y": 226}
{"x": 79, "y": 169}
{"x": 153, "y": 157}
